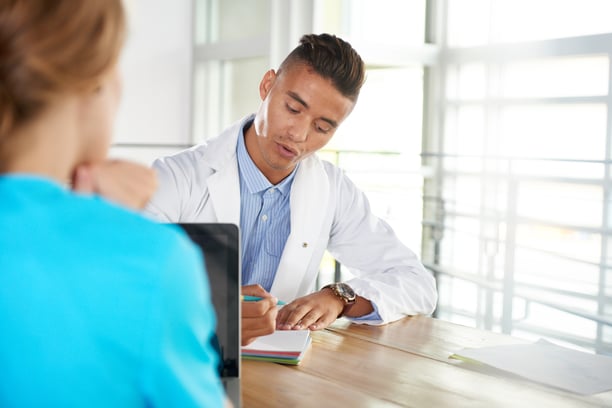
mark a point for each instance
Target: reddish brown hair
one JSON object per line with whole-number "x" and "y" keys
{"x": 50, "y": 48}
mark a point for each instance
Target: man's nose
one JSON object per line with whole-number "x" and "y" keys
{"x": 298, "y": 130}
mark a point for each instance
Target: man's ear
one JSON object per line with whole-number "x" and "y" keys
{"x": 266, "y": 83}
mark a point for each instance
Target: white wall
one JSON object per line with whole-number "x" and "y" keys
{"x": 156, "y": 65}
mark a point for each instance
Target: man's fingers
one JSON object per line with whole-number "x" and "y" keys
{"x": 259, "y": 308}
{"x": 290, "y": 315}
{"x": 258, "y": 319}
{"x": 255, "y": 290}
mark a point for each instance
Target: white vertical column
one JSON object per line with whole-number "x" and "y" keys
{"x": 156, "y": 66}
{"x": 289, "y": 21}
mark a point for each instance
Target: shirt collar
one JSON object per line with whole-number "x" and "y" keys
{"x": 251, "y": 176}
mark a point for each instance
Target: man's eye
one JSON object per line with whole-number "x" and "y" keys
{"x": 321, "y": 129}
{"x": 290, "y": 109}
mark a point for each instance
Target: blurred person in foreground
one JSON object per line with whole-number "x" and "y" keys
{"x": 98, "y": 306}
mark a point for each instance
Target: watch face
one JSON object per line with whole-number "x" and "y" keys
{"x": 345, "y": 291}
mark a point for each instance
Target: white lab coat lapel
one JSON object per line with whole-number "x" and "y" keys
{"x": 224, "y": 184}
{"x": 309, "y": 204}
{"x": 224, "y": 191}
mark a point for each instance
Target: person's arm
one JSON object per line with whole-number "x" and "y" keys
{"x": 258, "y": 318}
{"x": 123, "y": 182}
{"x": 175, "y": 175}
{"x": 390, "y": 282}
{"x": 387, "y": 273}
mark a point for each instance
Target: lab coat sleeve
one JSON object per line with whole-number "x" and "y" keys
{"x": 386, "y": 272}
{"x": 174, "y": 186}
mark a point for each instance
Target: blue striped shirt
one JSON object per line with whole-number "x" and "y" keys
{"x": 264, "y": 220}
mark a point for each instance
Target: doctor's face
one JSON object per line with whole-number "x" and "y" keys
{"x": 299, "y": 114}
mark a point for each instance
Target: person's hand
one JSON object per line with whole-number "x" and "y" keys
{"x": 123, "y": 182}
{"x": 315, "y": 312}
{"x": 258, "y": 318}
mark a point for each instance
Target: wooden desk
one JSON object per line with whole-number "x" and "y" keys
{"x": 401, "y": 364}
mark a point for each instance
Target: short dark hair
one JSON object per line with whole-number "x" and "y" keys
{"x": 333, "y": 59}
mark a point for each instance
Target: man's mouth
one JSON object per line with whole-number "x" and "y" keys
{"x": 286, "y": 151}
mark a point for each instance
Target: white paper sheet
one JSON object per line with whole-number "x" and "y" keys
{"x": 547, "y": 363}
{"x": 281, "y": 341}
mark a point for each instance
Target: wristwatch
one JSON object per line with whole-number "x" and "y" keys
{"x": 344, "y": 292}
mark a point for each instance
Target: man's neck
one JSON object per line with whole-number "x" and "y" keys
{"x": 274, "y": 176}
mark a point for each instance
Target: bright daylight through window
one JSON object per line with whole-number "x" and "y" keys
{"x": 518, "y": 213}
{"x": 483, "y": 135}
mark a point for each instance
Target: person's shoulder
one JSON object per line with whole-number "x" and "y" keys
{"x": 131, "y": 228}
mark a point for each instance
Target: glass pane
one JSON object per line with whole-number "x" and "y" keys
{"x": 362, "y": 22}
{"x": 465, "y": 131}
{"x": 546, "y": 19}
{"x": 467, "y": 22}
{"x": 512, "y": 157}
{"x": 557, "y": 77}
{"x": 554, "y": 168}
{"x": 458, "y": 295}
{"x": 551, "y": 77}
{"x": 550, "y": 271}
{"x": 207, "y": 100}
{"x": 224, "y": 92}
{"x": 387, "y": 117}
{"x": 395, "y": 195}
{"x": 606, "y": 334}
{"x": 466, "y": 81}
{"x": 479, "y": 22}
{"x": 561, "y": 241}
{"x": 554, "y": 131}
{"x": 379, "y": 146}
{"x": 556, "y": 321}
{"x": 230, "y": 20}
{"x": 461, "y": 245}
{"x": 462, "y": 194}
{"x": 241, "y": 80}
{"x": 563, "y": 203}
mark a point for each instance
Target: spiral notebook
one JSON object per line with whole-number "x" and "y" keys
{"x": 282, "y": 346}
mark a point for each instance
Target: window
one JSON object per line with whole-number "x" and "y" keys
{"x": 379, "y": 145}
{"x": 517, "y": 212}
{"x": 483, "y": 135}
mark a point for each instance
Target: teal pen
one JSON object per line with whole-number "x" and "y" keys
{"x": 247, "y": 298}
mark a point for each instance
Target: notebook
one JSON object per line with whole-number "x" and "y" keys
{"x": 220, "y": 244}
{"x": 282, "y": 346}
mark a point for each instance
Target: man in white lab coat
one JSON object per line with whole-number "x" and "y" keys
{"x": 262, "y": 173}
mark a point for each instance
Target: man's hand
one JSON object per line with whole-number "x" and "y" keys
{"x": 126, "y": 183}
{"x": 258, "y": 318}
{"x": 315, "y": 312}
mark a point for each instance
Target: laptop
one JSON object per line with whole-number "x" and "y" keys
{"x": 220, "y": 244}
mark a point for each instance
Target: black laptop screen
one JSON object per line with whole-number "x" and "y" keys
{"x": 220, "y": 245}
